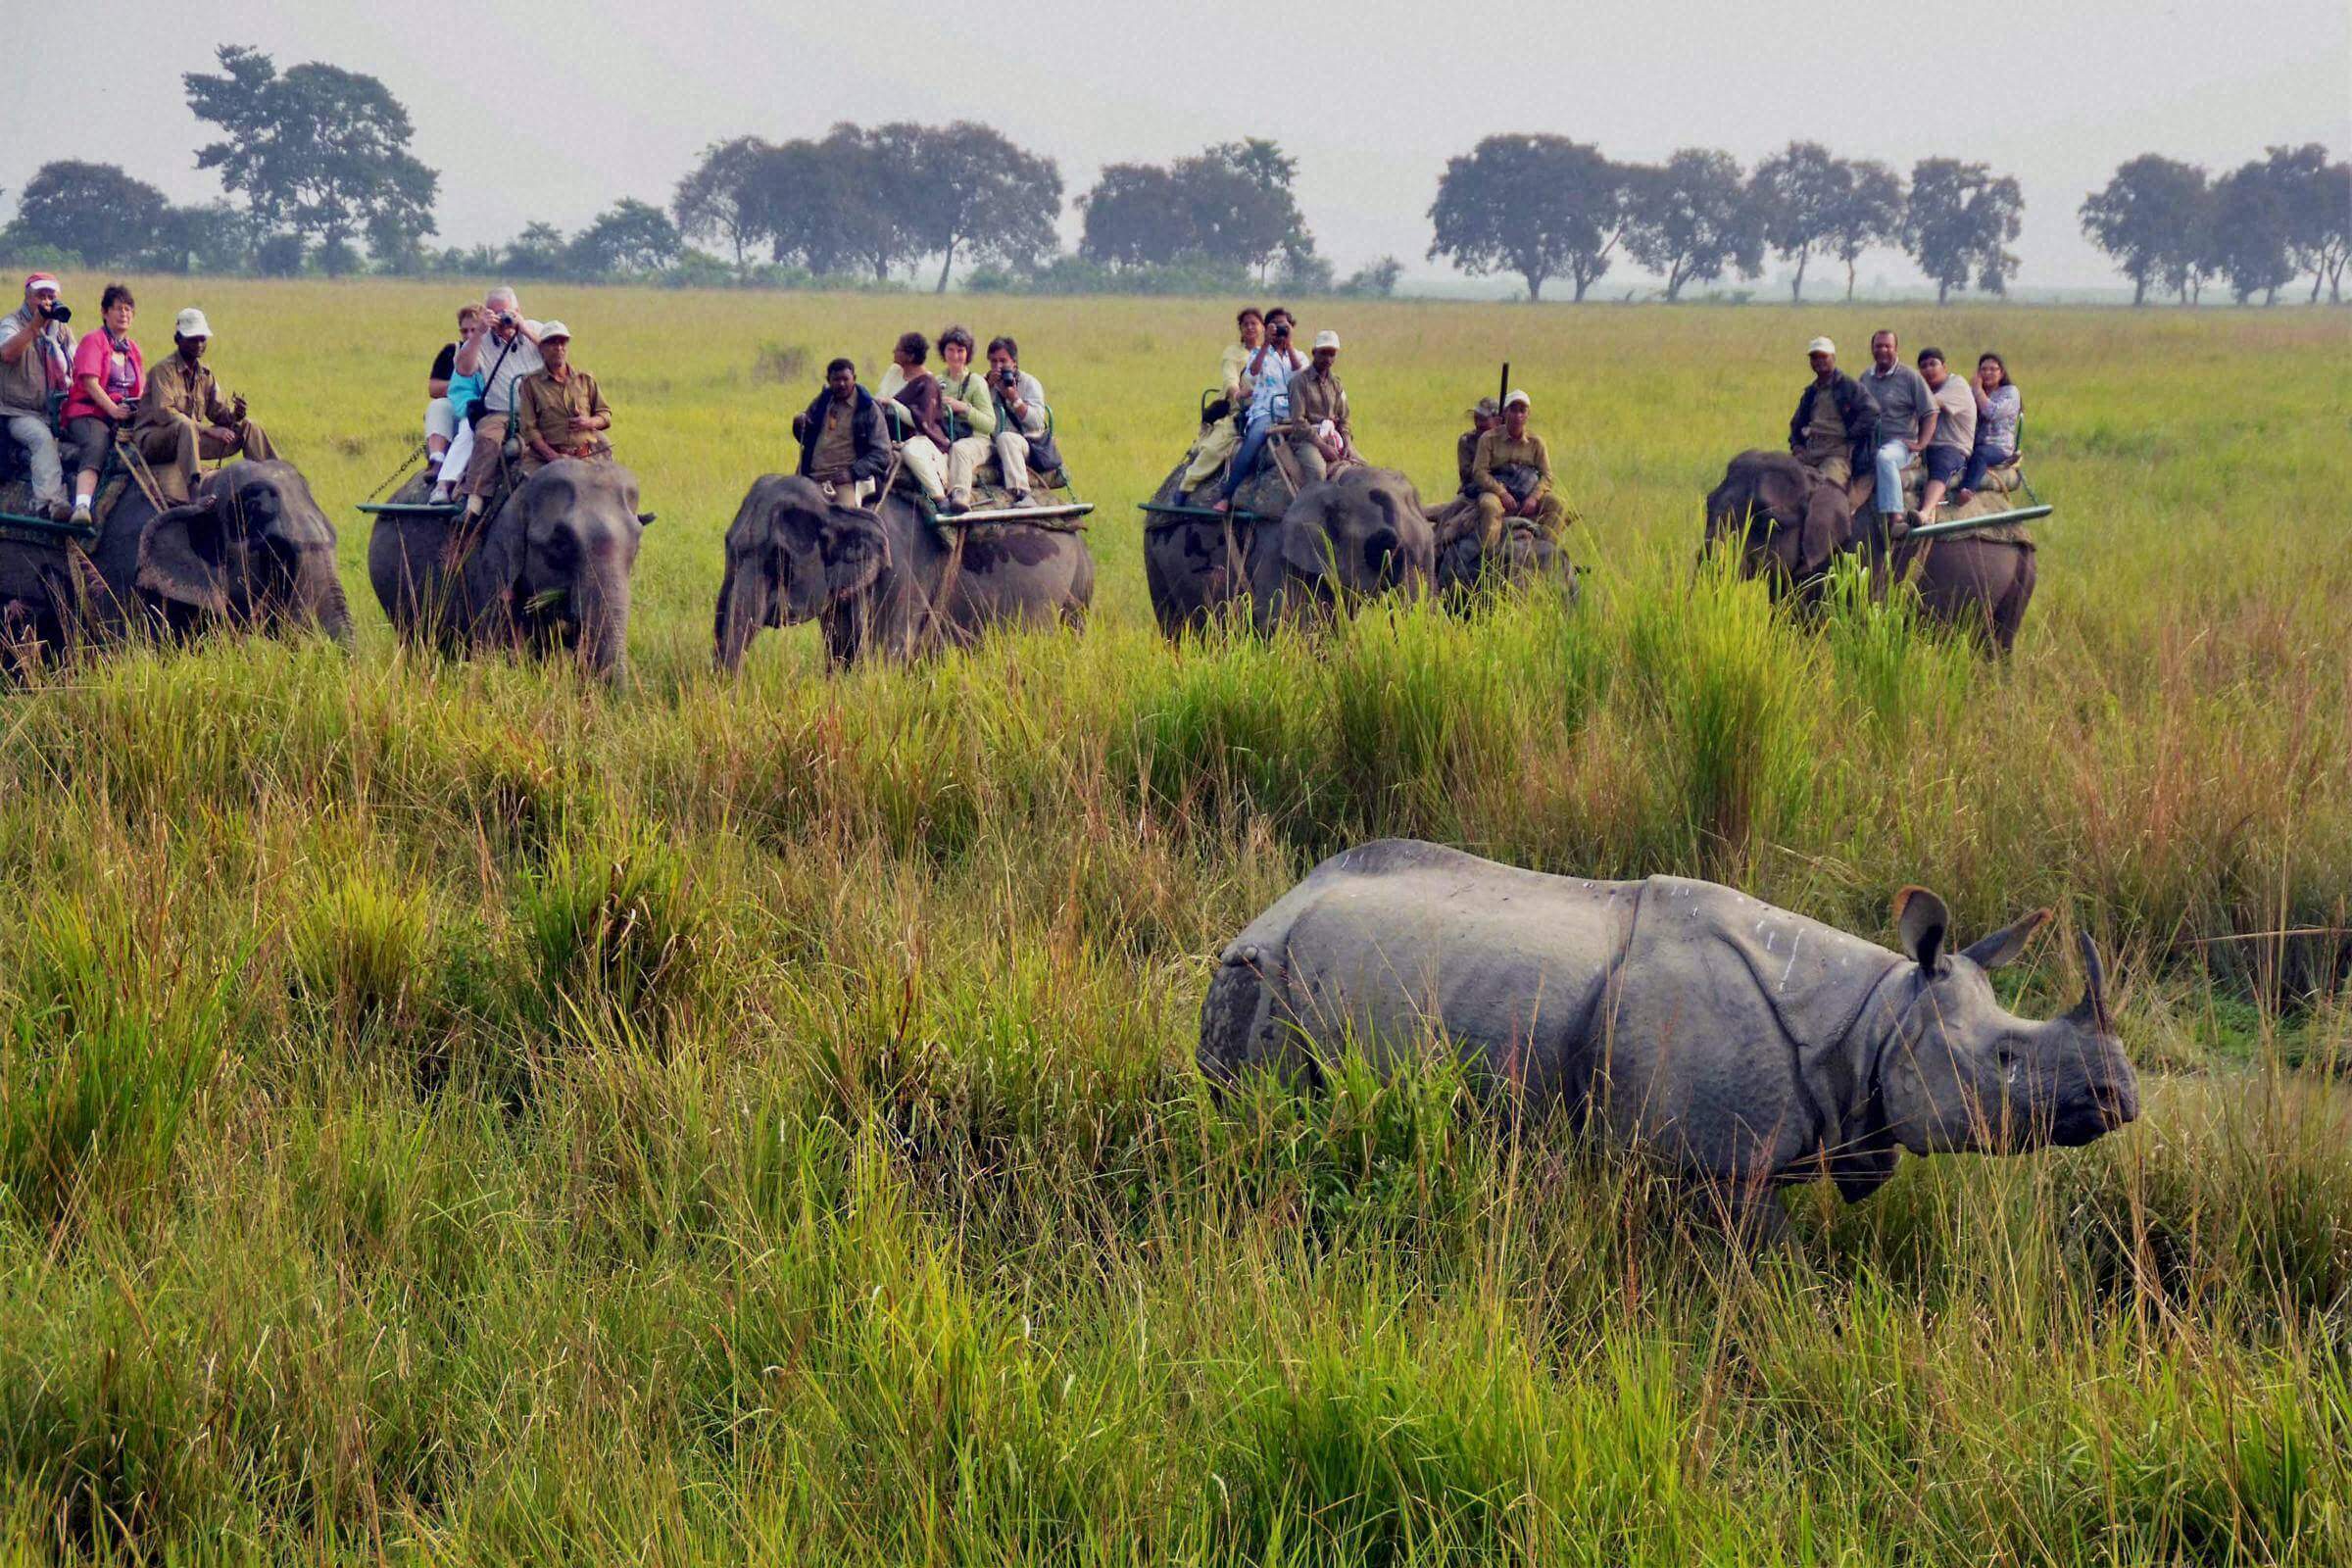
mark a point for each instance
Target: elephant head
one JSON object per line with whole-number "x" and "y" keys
{"x": 1788, "y": 520}
{"x": 1358, "y": 534}
{"x": 557, "y": 561}
{"x": 793, "y": 553}
{"x": 252, "y": 548}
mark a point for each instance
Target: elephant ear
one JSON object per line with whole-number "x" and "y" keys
{"x": 1307, "y": 546}
{"x": 494, "y": 566}
{"x": 172, "y": 562}
{"x": 1827, "y": 526}
{"x": 855, "y": 550}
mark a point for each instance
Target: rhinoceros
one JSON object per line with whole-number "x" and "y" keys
{"x": 1751, "y": 1047}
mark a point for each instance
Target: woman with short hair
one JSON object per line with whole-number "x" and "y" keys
{"x": 109, "y": 376}
{"x": 969, "y": 417}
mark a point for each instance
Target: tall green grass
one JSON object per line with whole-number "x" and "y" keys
{"x": 450, "y": 1112}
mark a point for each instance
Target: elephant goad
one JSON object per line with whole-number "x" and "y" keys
{"x": 882, "y": 580}
{"x": 546, "y": 572}
{"x": 1357, "y": 535}
{"x": 1791, "y": 525}
{"x": 250, "y": 550}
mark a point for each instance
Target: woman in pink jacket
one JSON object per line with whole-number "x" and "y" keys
{"x": 109, "y": 375}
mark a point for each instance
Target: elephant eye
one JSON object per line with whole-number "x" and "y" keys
{"x": 2006, "y": 1055}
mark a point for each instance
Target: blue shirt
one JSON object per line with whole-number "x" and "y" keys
{"x": 1270, "y": 372}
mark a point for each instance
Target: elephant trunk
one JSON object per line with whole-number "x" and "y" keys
{"x": 318, "y": 592}
{"x": 745, "y": 600}
{"x": 601, "y": 608}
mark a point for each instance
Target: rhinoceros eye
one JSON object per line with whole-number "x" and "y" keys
{"x": 2006, "y": 1055}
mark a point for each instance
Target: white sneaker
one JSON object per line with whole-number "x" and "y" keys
{"x": 82, "y": 514}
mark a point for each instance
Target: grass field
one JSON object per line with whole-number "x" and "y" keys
{"x": 455, "y": 1112}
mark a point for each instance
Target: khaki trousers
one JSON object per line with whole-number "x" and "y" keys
{"x": 489, "y": 446}
{"x": 175, "y": 450}
{"x": 926, "y": 461}
{"x": 964, "y": 458}
{"x": 1217, "y": 448}
{"x": 1012, "y": 459}
{"x": 1551, "y": 518}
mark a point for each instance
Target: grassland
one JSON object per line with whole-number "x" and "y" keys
{"x": 454, "y": 1113}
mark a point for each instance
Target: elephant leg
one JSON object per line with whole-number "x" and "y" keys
{"x": 2010, "y": 615}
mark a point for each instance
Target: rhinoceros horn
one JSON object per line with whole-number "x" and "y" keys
{"x": 2093, "y": 1009}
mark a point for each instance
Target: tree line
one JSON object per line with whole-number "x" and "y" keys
{"x": 317, "y": 175}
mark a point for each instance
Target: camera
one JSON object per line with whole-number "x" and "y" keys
{"x": 506, "y": 317}
{"x": 58, "y": 310}
{"x": 1008, "y": 377}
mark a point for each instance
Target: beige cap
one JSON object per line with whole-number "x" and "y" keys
{"x": 1517, "y": 400}
{"x": 555, "y": 329}
{"x": 1327, "y": 339}
{"x": 191, "y": 323}
{"x": 1820, "y": 345}
{"x": 1484, "y": 409}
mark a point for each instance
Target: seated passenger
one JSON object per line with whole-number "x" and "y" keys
{"x": 1024, "y": 426}
{"x": 1831, "y": 430}
{"x": 463, "y": 392}
{"x": 1224, "y": 436}
{"x": 108, "y": 374}
{"x": 1906, "y": 422}
{"x": 843, "y": 446}
{"x": 36, "y": 365}
{"x": 1512, "y": 473}
{"x": 501, "y": 349}
{"x": 1484, "y": 415}
{"x": 1318, "y": 427}
{"x": 1999, "y": 407}
{"x": 184, "y": 417}
{"x": 1271, "y": 368}
{"x": 442, "y": 413}
{"x": 914, "y": 390}
{"x": 1955, "y": 435}
{"x": 970, "y": 417}
{"x": 559, "y": 411}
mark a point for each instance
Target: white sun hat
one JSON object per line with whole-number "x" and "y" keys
{"x": 555, "y": 329}
{"x": 191, "y": 323}
{"x": 1821, "y": 345}
{"x": 1517, "y": 399}
{"x": 1327, "y": 339}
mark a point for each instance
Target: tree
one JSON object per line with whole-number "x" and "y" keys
{"x": 213, "y": 238}
{"x": 93, "y": 211}
{"x": 1302, "y": 271}
{"x": 280, "y": 255}
{"x": 2151, "y": 220}
{"x": 1538, "y": 205}
{"x": 629, "y": 238}
{"x": 1960, "y": 218}
{"x": 1800, "y": 193}
{"x": 1230, "y": 204}
{"x": 2253, "y": 232}
{"x": 537, "y": 252}
{"x": 1691, "y": 219}
{"x": 318, "y": 150}
{"x": 1868, "y": 213}
{"x": 800, "y": 195}
{"x": 981, "y": 193}
{"x": 2318, "y": 196}
{"x": 1378, "y": 281}
{"x": 1135, "y": 215}
{"x": 718, "y": 198}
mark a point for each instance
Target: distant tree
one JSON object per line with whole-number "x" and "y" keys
{"x": 280, "y": 255}
{"x": 630, "y": 238}
{"x": 2318, "y": 195}
{"x": 395, "y": 244}
{"x": 318, "y": 150}
{"x": 802, "y": 197}
{"x": 1377, "y": 280}
{"x": 1302, "y": 271}
{"x": 213, "y": 238}
{"x": 718, "y": 198}
{"x": 1870, "y": 212}
{"x": 1691, "y": 219}
{"x": 1960, "y": 218}
{"x": 980, "y": 193}
{"x": 93, "y": 211}
{"x": 1800, "y": 195}
{"x": 2151, "y": 218}
{"x": 338, "y": 258}
{"x": 537, "y": 252}
{"x": 1135, "y": 215}
{"x": 1542, "y": 207}
{"x": 2253, "y": 233}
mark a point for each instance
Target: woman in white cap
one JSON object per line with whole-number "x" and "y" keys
{"x": 186, "y": 417}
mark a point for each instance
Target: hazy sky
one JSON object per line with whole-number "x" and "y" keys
{"x": 530, "y": 117}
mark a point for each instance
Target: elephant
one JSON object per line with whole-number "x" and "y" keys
{"x": 250, "y": 550}
{"x": 549, "y": 568}
{"x": 1194, "y": 567}
{"x": 1352, "y": 536}
{"x": 878, "y": 578}
{"x": 1801, "y": 522}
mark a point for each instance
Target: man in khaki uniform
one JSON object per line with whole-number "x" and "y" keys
{"x": 1318, "y": 430}
{"x": 1484, "y": 415}
{"x": 1834, "y": 418}
{"x": 184, "y": 419}
{"x": 1513, "y": 476}
{"x": 558, "y": 410}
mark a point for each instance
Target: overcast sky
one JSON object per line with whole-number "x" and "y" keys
{"x": 553, "y": 111}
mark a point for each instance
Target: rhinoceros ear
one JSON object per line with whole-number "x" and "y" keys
{"x": 1922, "y": 922}
{"x": 2007, "y": 944}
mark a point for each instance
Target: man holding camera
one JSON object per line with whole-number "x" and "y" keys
{"x": 36, "y": 364}
{"x": 502, "y": 348}
{"x": 184, "y": 418}
{"x": 1022, "y": 420}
